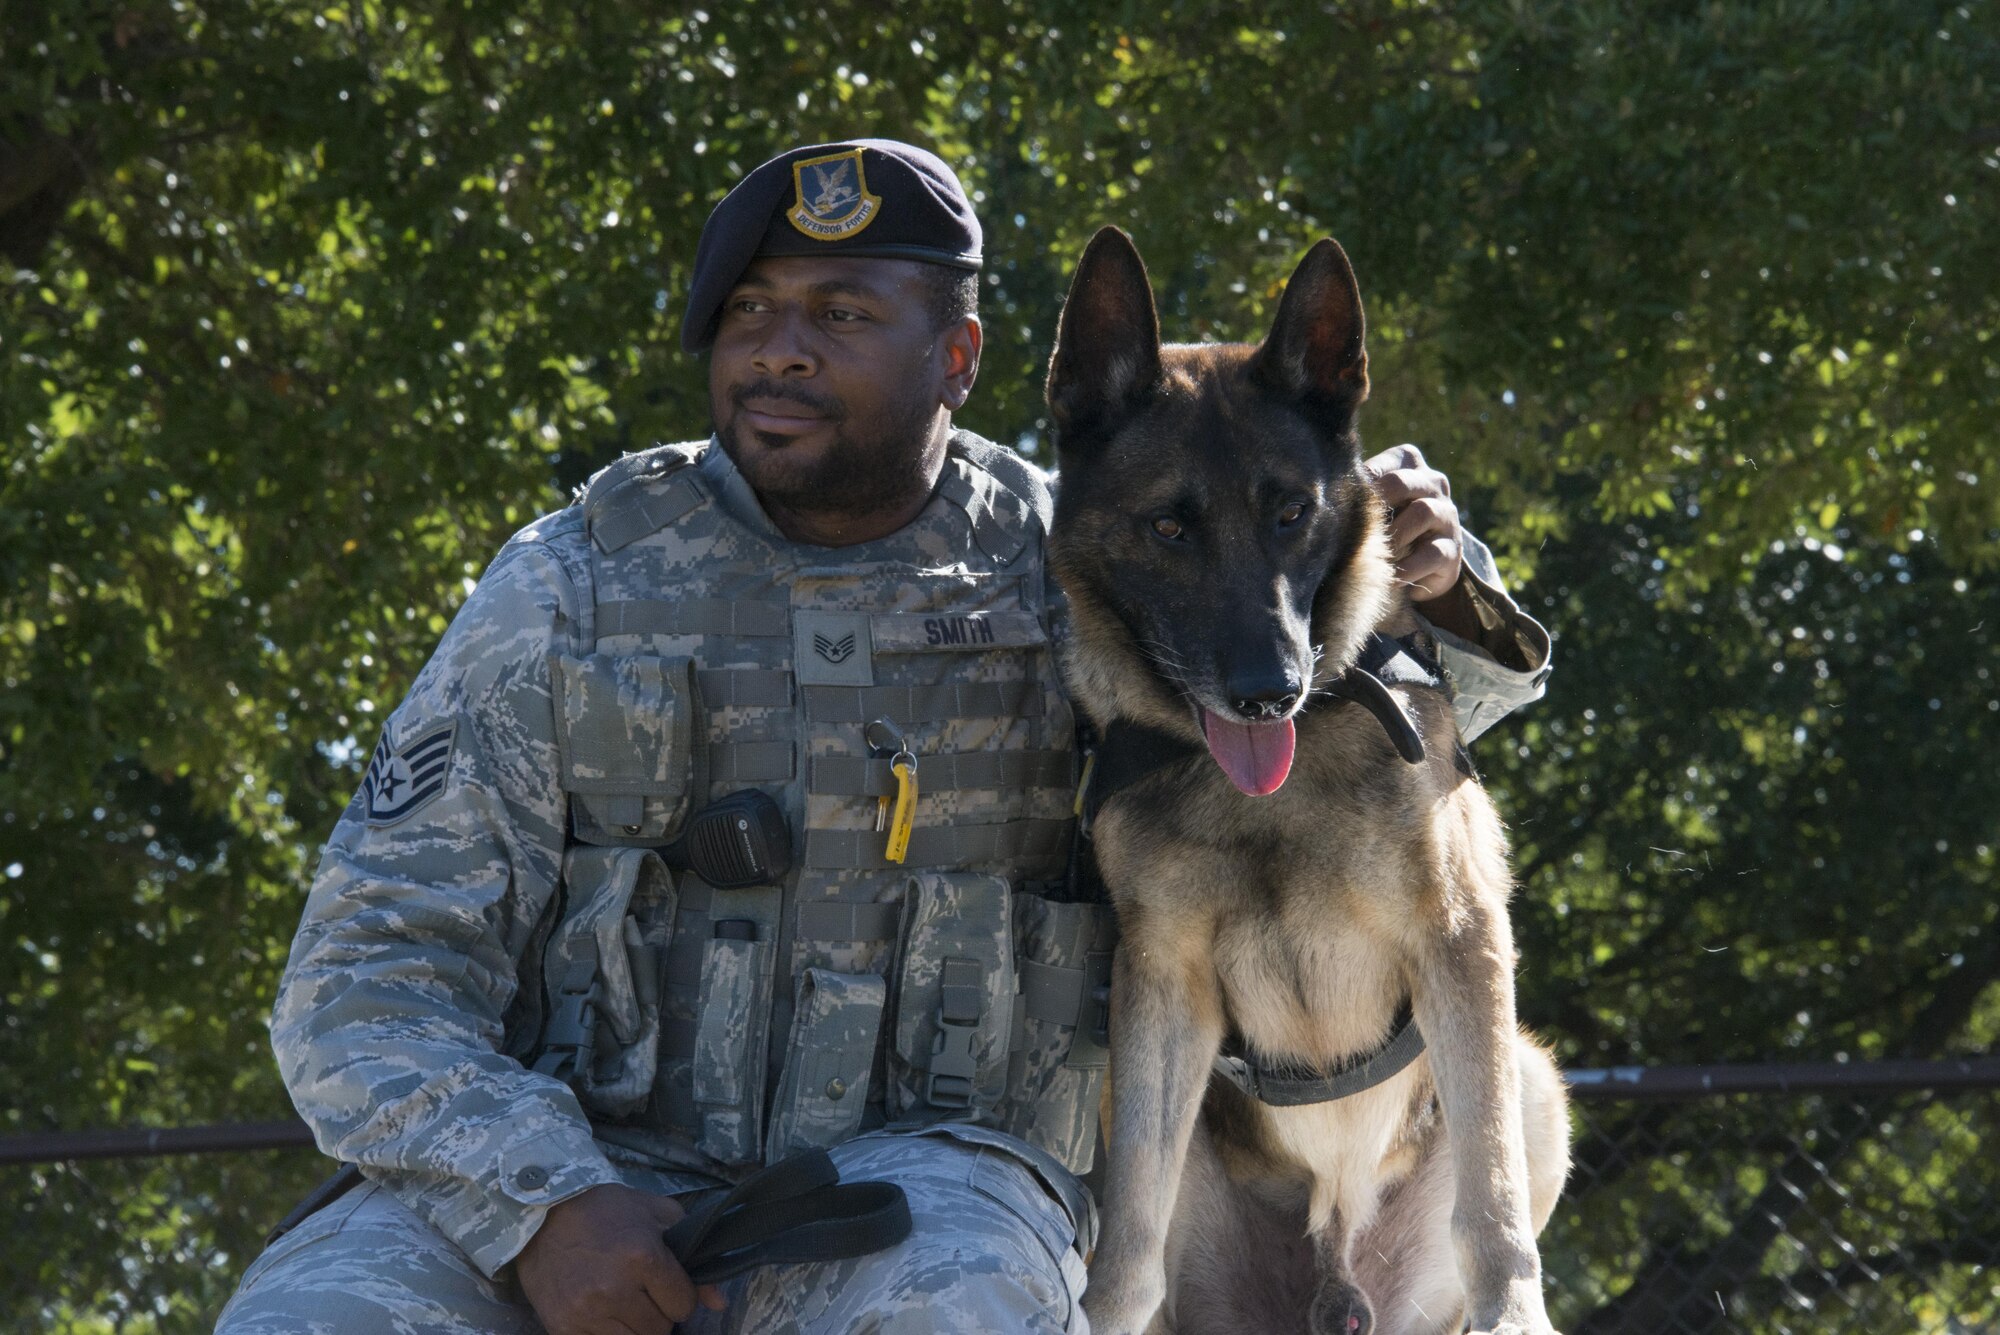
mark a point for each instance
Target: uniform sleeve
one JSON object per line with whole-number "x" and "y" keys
{"x": 389, "y": 1025}
{"x": 1509, "y": 665}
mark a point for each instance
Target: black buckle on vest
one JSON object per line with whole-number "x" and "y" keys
{"x": 569, "y": 1042}
{"x": 962, "y": 1001}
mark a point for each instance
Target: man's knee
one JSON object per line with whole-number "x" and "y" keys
{"x": 990, "y": 1250}
{"x": 366, "y": 1264}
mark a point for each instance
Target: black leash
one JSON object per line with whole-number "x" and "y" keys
{"x": 795, "y": 1210}
{"x": 345, "y": 1179}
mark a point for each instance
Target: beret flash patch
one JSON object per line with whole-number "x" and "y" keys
{"x": 833, "y": 199}
{"x": 404, "y": 779}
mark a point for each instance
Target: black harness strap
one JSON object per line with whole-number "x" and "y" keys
{"x": 1289, "y": 1087}
{"x": 795, "y": 1210}
{"x": 1131, "y": 751}
{"x": 1127, "y": 753}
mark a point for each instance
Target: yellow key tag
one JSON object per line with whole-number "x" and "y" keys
{"x": 904, "y": 767}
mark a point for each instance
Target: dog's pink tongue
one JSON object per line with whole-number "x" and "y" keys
{"x": 1255, "y": 756}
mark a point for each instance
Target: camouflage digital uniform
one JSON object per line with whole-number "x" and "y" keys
{"x": 621, "y": 663}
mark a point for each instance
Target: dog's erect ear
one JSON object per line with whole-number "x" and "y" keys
{"x": 1108, "y": 344}
{"x": 1315, "y": 352}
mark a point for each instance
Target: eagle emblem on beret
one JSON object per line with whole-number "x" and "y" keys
{"x": 832, "y": 201}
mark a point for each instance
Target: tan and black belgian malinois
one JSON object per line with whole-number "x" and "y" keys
{"x": 1323, "y": 1116}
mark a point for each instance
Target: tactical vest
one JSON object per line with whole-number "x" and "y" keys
{"x": 716, "y": 1029}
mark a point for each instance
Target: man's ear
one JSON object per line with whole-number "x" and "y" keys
{"x": 1108, "y": 344}
{"x": 1316, "y": 352}
{"x": 960, "y": 346}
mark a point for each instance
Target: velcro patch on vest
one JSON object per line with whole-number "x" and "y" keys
{"x": 832, "y": 649}
{"x": 945, "y": 632}
{"x": 402, "y": 780}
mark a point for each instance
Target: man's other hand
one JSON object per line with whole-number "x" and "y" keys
{"x": 1424, "y": 536}
{"x": 598, "y": 1266}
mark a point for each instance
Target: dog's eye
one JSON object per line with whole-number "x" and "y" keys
{"x": 1292, "y": 514}
{"x": 1168, "y": 528}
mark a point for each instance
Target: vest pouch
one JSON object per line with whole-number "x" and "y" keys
{"x": 1056, "y": 1069}
{"x": 836, "y": 1024}
{"x": 731, "y": 1036}
{"x": 631, "y": 739}
{"x": 954, "y": 997}
{"x": 601, "y": 973}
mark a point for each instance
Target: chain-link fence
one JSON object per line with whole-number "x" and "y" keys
{"x": 1789, "y": 1200}
{"x": 1781, "y": 1201}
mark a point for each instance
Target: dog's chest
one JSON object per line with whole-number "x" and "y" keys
{"x": 1307, "y": 983}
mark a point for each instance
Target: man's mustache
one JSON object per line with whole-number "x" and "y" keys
{"x": 766, "y": 388}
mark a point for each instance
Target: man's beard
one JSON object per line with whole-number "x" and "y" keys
{"x": 866, "y": 467}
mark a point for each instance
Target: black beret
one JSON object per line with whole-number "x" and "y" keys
{"x": 874, "y": 198}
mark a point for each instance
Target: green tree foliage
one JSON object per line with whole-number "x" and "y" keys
{"x": 304, "y": 308}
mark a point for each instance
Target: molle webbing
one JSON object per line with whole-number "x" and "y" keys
{"x": 853, "y": 776}
{"x": 749, "y": 763}
{"x": 824, "y": 920}
{"x": 849, "y": 922}
{"x": 694, "y": 616}
{"x": 938, "y": 846}
{"x": 924, "y": 704}
{"x": 748, "y": 688}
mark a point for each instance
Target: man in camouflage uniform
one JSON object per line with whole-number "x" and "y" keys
{"x": 538, "y": 1042}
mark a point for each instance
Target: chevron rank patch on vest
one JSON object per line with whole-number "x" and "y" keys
{"x": 404, "y": 779}
{"x": 832, "y": 649}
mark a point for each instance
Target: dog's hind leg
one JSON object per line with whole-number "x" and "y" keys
{"x": 1238, "y": 1257}
{"x": 1403, "y": 1260}
{"x": 1545, "y": 1128}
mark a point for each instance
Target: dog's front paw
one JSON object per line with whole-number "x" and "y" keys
{"x": 1124, "y": 1304}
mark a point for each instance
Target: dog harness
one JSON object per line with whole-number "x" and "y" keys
{"x": 1131, "y": 752}
{"x": 1291, "y": 1087}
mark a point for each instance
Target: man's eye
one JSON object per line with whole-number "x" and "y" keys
{"x": 748, "y": 305}
{"x": 842, "y": 315}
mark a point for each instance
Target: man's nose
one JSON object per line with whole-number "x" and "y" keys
{"x": 785, "y": 350}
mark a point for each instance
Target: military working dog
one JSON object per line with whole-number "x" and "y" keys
{"x": 1310, "y": 883}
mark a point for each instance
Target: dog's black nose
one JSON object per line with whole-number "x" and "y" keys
{"x": 1263, "y": 697}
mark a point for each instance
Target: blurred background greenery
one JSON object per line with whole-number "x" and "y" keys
{"x": 304, "y": 308}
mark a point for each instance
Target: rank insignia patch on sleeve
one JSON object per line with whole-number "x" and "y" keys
{"x": 403, "y": 779}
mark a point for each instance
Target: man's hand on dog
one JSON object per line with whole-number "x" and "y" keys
{"x": 599, "y": 1266}
{"x": 1424, "y": 536}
